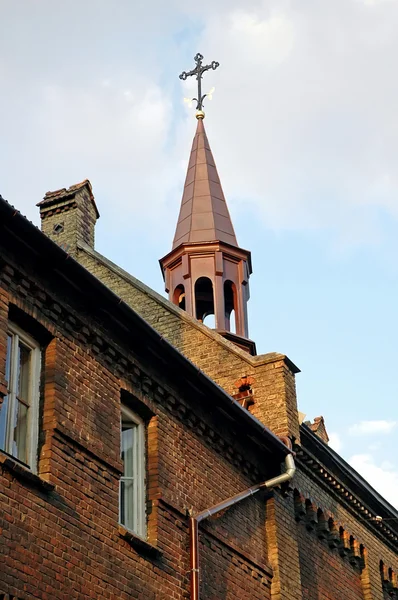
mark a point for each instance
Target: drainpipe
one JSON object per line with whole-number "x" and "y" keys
{"x": 195, "y": 520}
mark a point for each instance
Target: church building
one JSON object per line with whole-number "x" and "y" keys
{"x": 146, "y": 456}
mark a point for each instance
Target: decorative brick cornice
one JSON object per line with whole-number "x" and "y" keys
{"x": 326, "y": 527}
{"x": 317, "y": 471}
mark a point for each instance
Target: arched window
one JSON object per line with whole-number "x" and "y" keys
{"x": 204, "y": 298}
{"x": 230, "y": 306}
{"x": 179, "y": 296}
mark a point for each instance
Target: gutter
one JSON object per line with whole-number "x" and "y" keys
{"x": 195, "y": 520}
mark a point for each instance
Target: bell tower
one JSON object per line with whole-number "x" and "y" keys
{"x": 206, "y": 272}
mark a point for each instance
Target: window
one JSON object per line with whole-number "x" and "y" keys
{"x": 132, "y": 483}
{"x": 19, "y": 410}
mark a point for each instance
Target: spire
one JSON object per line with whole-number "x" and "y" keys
{"x": 206, "y": 273}
{"x": 204, "y": 215}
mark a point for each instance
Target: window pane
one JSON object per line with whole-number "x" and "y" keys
{"x": 3, "y": 422}
{"x": 127, "y": 503}
{"x": 23, "y": 377}
{"x": 128, "y": 448}
{"x": 19, "y": 446}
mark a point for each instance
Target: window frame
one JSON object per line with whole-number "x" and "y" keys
{"x": 139, "y": 476}
{"x": 18, "y": 336}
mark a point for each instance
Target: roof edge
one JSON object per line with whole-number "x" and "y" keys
{"x": 65, "y": 262}
{"x": 358, "y": 485}
{"x": 252, "y": 360}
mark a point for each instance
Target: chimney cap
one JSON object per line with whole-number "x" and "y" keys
{"x": 64, "y": 193}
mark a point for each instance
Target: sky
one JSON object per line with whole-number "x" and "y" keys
{"x": 304, "y": 129}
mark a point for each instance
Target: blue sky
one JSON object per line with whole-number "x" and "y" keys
{"x": 304, "y": 129}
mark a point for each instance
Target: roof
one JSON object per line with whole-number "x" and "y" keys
{"x": 115, "y": 312}
{"x": 351, "y": 484}
{"x": 68, "y": 193}
{"x": 204, "y": 215}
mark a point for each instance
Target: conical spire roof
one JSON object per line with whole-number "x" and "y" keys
{"x": 204, "y": 215}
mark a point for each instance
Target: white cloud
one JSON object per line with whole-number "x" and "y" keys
{"x": 372, "y": 427}
{"x": 303, "y": 125}
{"x": 269, "y": 39}
{"x": 374, "y": 2}
{"x": 335, "y": 441}
{"x": 308, "y": 100}
{"x": 384, "y": 477}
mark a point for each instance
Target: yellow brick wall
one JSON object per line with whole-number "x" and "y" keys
{"x": 274, "y": 388}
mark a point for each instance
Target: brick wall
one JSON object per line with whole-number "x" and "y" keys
{"x": 306, "y": 563}
{"x": 59, "y": 531}
{"x": 274, "y": 387}
{"x": 345, "y": 559}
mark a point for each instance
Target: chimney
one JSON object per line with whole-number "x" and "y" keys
{"x": 68, "y": 216}
{"x": 318, "y": 427}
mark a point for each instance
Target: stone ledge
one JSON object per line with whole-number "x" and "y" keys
{"x": 22, "y": 472}
{"x": 137, "y": 542}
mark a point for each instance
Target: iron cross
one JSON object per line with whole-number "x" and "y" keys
{"x": 198, "y": 71}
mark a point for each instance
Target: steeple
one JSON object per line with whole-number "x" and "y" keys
{"x": 206, "y": 273}
{"x": 204, "y": 215}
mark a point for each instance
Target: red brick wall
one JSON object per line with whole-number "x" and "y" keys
{"x": 65, "y": 543}
{"x": 322, "y": 565}
{"x": 325, "y": 575}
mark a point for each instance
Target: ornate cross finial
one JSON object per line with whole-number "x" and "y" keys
{"x": 198, "y": 71}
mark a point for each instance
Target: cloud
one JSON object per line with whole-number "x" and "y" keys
{"x": 372, "y": 427}
{"x": 335, "y": 441}
{"x": 308, "y": 100}
{"x": 383, "y": 477}
{"x": 303, "y": 125}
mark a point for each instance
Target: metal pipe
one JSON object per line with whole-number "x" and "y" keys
{"x": 195, "y": 520}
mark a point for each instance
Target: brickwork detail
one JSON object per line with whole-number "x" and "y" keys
{"x": 69, "y": 215}
{"x": 355, "y": 544}
{"x": 274, "y": 388}
{"x": 63, "y": 542}
{"x": 389, "y": 580}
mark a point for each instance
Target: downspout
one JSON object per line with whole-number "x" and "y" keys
{"x": 195, "y": 520}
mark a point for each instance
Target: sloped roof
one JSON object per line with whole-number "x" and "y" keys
{"x": 119, "y": 315}
{"x": 204, "y": 215}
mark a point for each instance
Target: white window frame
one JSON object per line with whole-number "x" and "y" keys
{"x": 139, "y": 526}
{"x": 18, "y": 335}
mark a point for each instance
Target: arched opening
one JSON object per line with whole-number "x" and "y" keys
{"x": 230, "y": 306}
{"x": 210, "y": 321}
{"x": 179, "y": 296}
{"x": 204, "y": 299}
{"x": 322, "y": 527}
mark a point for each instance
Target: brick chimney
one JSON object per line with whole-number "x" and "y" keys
{"x": 68, "y": 216}
{"x": 318, "y": 427}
